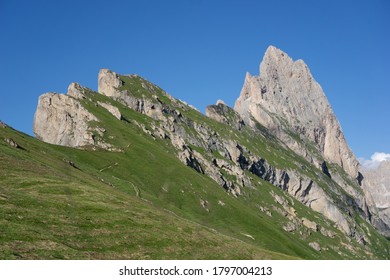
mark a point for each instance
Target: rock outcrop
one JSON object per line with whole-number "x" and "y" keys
{"x": 61, "y": 119}
{"x": 376, "y": 185}
{"x": 111, "y": 109}
{"x": 287, "y": 100}
{"x": 224, "y": 114}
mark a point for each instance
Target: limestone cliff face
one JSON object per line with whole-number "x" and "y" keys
{"x": 287, "y": 100}
{"x": 376, "y": 186}
{"x": 61, "y": 119}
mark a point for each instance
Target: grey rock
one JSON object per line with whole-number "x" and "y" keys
{"x": 11, "y": 142}
{"x": 315, "y": 246}
{"x": 224, "y": 114}
{"x": 76, "y": 91}
{"x": 310, "y": 224}
{"x": 112, "y": 109}
{"x": 285, "y": 98}
{"x": 61, "y": 119}
{"x": 108, "y": 83}
{"x": 290, "y": 227}
{"x": 376, "y": 186}
{"x": 327, "y": 232}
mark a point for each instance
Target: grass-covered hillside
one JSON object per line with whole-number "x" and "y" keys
{"x": 142, "y": 202}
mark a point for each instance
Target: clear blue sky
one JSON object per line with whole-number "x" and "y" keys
{"x": 199, "y": 51}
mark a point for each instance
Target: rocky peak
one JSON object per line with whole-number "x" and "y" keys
{"x": 108, "y": 83}
{"x": 276, "y": 64}
{"x": 76, "y": 91}
{"x": 287, "y": 100}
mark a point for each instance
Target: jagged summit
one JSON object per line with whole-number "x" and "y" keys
{"x": 287, "y": 100}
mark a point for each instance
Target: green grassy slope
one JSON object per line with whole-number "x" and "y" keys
{"x": 51, "y": 210}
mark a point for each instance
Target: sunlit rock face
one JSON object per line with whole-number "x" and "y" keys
{"x": 287, "y": 100}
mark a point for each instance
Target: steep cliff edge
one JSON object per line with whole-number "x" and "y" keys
{"x": 287, "y": 100}
{"x": 376, "y": 185}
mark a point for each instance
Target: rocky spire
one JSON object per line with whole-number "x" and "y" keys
{"x": 286, "y": 99}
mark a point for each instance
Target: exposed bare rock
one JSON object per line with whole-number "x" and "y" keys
{"x": 61, "y": 119}
{"x": 204, "y": 204}
{"x": 327, "y": 232}
{"x": 376, "y": 186}
{"x": 112, "y": 109}
{"x": 279, "y": 199}
{"x": 309, "y": 224}
{"x": 219, "y": 101}
{"x": 290, "y": 227}
{"x": 2, "y": 125}
{"x": 286, "y": 99}
{"x": 315, "y": 246}
{"x": 108, "y": 83}
{"x": 76, "y": 91}
{"x": 224, "y": 114}
{"x": 11, "y": 142}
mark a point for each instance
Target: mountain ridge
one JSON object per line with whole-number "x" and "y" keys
{"x": 280, "y": 68}
{"x": 225, "y": 170}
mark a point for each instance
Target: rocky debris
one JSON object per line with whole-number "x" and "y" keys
{"x": 71, "y": 163}
{"x": 221, "y": 203}
{"x": 291, "y": 211}
{"x": 305, "y": 190}
{"x": 279, "y": 199}
{"x": 112, "y": 109}
{"x": 281, "y": 211}
{"x": 265, "y": 210}
{"x": 327, "y": 232}
{"x": 12, "y": 143}
{"x": 290, "y": 227}
{"x": 286, "y": 97}
{"x": 376, "y": 186}
{"x": 204, "y": 204}
{"x": 109, "y": 84}
{"x": 309, "y": 224}
{"x": 248, "y": 235}
{"x": 224, "y": 114}
{"x": 2, "y": 125}
{"x": 315, "y": 246}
